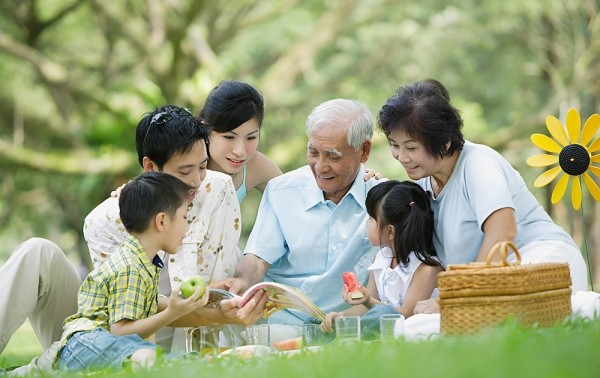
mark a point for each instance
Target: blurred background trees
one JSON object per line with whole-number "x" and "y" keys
{"x": 77, "y": 76}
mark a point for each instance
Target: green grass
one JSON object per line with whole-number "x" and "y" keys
{"x": 569, "y": 350}
{"x": 23, "y": 346}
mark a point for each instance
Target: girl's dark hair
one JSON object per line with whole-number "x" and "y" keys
{"x": 149, "y": 194}
{"x": 167, "y": 131}
{"x": 230, "y": 104}
{"x": 405, "y": 206}
{"x": 422, "y": 111}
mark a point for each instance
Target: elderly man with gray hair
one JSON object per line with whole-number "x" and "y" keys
{"x": 310, "y": 226}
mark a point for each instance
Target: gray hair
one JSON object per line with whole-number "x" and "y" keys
{"x": 352, "y": 114}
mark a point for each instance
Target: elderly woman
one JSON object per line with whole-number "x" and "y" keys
{"x": 477, "y": 197}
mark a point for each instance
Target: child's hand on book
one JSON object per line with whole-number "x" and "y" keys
{"x": 327, "y": 325}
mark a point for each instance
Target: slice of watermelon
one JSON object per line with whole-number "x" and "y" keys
{"x": 351, "y": 282}
{"x": 289, "y": 344}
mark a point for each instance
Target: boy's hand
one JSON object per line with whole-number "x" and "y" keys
{"x": 181, "y": 306}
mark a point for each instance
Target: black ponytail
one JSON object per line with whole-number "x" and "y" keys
{"x": 405, "y": 206}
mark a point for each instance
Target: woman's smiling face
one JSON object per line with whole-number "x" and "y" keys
{"x": 412, "y": 155}
{"x": 230, "y": 151}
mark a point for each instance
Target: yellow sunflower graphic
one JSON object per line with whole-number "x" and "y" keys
{"x": 570, "y": 152}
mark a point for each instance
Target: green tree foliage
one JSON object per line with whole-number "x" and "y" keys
{"x": 77, "y": 75}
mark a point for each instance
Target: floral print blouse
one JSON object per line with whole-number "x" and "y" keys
{"x": 209, "y": 247}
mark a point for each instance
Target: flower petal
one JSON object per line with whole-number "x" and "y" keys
{"x": 595, "y": 159}
{"x": 545, "y": 143}
{"x": 559, "y": 189}
{"x": 595, "y": 146}
{"x": 592, "y": 186}
{"x": 542, "y": 160}
{"x": 595, "y": 170}
{"x": 573, "y": 125}
{"x": 546, "y": 177}
{"x": 557, "y": 130}
{"x": 576, "y": 193}
{"x": 590, "y": 128}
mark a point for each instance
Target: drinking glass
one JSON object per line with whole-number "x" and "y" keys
{"x": 347, "y": 328}
{"x": 259, "y": 334}
{"x": 312, "y": 335}
{"x": 203, "y": 339}
{"x": 390, "y": 325}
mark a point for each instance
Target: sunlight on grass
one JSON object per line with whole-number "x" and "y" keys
{"x": 510, "y": 350}
{"x": 22, "y": 347}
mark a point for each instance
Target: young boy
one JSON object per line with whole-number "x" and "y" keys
{"x": 118, "y": 301}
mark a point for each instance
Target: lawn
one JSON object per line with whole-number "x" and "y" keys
{"x": 23, "y": 346}
{"x": 568, "y": 350}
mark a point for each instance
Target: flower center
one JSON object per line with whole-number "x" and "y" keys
{"x": 574, "y": 159}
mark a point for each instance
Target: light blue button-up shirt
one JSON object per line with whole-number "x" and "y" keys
{"x": 309, "y": 241}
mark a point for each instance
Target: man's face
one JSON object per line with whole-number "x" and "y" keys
{"x": 189, "y": 167}
{"x": 333, "y": 162}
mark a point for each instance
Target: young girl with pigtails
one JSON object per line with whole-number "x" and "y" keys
{"x": 405, "y": 269}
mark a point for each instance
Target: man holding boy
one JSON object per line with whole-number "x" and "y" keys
{"x": 118, "y": 301}
{"x": 168, "y": 140}
{"x": 171, "y": 140}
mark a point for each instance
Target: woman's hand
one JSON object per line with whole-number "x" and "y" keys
{"x": 117, "y": 192}
{"x": 370, "y": 173}
{"x": 427, "y": 306}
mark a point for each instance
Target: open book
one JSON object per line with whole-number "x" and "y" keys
{"x": 280, "y": 297}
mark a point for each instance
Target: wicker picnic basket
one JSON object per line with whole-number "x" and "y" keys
{"x": 477, "y": 295}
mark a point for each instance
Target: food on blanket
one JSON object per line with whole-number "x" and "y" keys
{"x": 351, "y": 282}
{"x": 247, "y": 352}
{"x": 189, "y": 286}
{"x": 289, "y": 344}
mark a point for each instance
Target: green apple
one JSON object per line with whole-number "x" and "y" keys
{"x": 190, "y": 285}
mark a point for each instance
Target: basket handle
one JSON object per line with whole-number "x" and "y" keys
{"x": 503, "y": 248}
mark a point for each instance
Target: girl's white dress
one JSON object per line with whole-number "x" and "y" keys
{"x": 392, "y": 284}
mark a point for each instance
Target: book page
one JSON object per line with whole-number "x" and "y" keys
{"x": 282, "y": 297}
{"x": 217, "y": 295}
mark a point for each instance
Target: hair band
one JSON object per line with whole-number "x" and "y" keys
{"x": 411, "y": 203}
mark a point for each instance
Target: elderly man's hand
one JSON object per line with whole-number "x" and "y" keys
{"x": 428, "y": 306}
{"x": 247, "y": 315}
{"x": 234, "y": 285}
